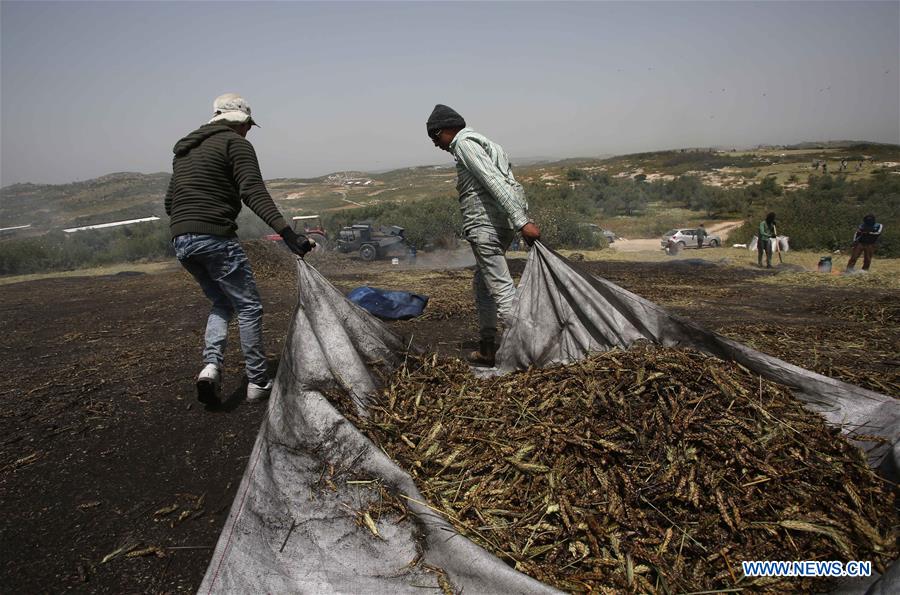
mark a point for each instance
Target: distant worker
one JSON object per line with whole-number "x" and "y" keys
{"x": 493, "y": 208}
{"x": 843, "y": 164}
{"x": 214, "y": 170}
{"x": 701, "y": 235}
{"x": 672, "y": 248}
{"x": 824, "y": 167}
{"x": 766, "y": 234}
{"x": 864, "y": 242}
{"x": 815, "y": 164}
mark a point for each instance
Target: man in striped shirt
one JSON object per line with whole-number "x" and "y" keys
{"x": 214, "y": 171}
{"x": 494, "y": 209}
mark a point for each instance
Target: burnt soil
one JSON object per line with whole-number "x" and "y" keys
{"x": 104, "y": 446}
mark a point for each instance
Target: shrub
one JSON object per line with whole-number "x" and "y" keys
{"x": 561, "y": 213}
{"x": 433, "y": 222}
{"x": 563, "y": 216}
{"x": 825, "y": 215}
{"x": 61, "y": 251}
{"x": 625, "y": 199}
{"x": 574, "y": 174}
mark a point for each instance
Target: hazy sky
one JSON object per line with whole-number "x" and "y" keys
{"x": 90, "y": 88}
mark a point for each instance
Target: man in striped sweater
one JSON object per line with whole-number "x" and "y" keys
{"x": 214, "y": 171}
{"x": 493, "y": 209}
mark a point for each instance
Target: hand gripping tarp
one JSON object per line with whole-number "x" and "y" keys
{"x": 286, "y": 534}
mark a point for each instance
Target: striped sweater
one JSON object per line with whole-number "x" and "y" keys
{"x": 214, "y": 170}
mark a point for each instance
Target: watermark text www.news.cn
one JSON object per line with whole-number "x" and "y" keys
{"x": 807, "y": 568}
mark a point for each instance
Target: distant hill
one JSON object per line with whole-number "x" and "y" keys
{"x": 841, "y": 144}
{"x": 111, "y": 197}
{"x": 119, "y": 196}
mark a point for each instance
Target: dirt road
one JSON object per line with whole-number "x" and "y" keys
{"x": 722, "y": 228}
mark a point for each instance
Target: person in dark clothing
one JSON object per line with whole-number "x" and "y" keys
{"x": 214, "y": 171}
{"x": 764, "y": 240}
{"x": 864, "y": 242}
{"x": 701, "y": 235}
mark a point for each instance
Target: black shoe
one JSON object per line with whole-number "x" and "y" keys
{"x": 485, "y": 356}
{"x": 208, "y": 383}
{"x": 206, "y": 393}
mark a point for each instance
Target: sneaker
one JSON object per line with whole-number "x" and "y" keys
{"x": 259, "y": 392}
{"x": 209, "y": 382}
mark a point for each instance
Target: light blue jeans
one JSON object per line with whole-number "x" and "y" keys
{"x": 221, "y": 268}
{"x": 495, "y": 292}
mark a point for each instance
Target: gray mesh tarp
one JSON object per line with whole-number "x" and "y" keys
{"x": 287, "y": 532}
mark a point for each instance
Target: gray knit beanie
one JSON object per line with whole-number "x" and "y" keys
{"x": 444, "y": 117}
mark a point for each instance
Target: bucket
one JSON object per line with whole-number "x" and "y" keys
{"x": 825, "y": 264}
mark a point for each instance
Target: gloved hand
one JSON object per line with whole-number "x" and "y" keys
{"x": 298, "y": 244}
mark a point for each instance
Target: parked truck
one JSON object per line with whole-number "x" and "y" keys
{"x": 372, "y": 242}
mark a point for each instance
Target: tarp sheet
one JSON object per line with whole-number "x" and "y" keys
{"x": 387, "y": 304}
{"x": 288, "y": 533}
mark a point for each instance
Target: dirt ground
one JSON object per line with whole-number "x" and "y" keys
{"x": 104, "y": 448}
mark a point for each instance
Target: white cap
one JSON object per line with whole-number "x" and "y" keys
{"x": 231, "y": 107}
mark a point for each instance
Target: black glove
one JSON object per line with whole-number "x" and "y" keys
{"x": 298, "y": 244}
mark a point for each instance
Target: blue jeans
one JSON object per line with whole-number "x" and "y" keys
{"x": 221, "y": 268}
{"x": 495, "y": 292}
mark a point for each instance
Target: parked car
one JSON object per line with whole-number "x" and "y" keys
{"x": 687, "y": 238}
{"x": 608, "y": 235}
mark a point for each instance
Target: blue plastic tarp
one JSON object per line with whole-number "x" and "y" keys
{"x": 388, "y": 305}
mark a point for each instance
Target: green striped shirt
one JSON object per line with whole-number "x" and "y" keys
{"x": 489, "y": 195}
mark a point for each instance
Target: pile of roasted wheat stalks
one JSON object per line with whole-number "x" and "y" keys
{"x": 648, "y": 470}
